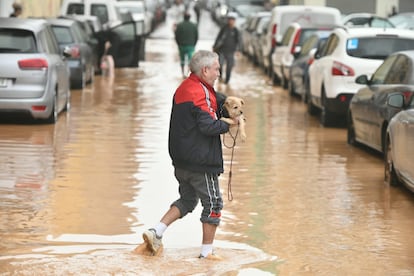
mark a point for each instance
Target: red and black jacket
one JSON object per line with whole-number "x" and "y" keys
{"x": 194, "y": 137}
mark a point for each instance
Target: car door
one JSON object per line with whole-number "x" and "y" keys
{"x": 124, "y": 49}
{"x": 364, "y": 112}
{"x": 397, "y": 74}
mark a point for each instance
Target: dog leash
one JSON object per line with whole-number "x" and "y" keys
{"x": 229, "y": 192}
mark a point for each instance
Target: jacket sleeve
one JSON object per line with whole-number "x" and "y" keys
{"x": 209, "y": 126}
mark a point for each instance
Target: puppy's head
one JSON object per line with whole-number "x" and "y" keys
{"x": 234, "y": 106}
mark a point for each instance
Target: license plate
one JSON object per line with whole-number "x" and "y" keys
{"x": 4, "y": 82}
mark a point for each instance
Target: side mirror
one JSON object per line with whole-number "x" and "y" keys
{"x": 363, "y": 79}
{"x": 67, "y": 52}
{"x": 396, "y": 101}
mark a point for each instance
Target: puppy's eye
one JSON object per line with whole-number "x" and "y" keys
{"x": 235, "y": 107}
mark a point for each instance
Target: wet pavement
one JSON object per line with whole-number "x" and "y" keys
{"x": 76, "y": 196}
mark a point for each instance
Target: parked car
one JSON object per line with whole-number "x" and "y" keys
{"x": 299, "y": 77}
{"x": 70, "y": 33}
{"x": 249, "y": 33}
{"x": 349, "y": 52}
{"x": 284, "y": 15}
{"x": 140, "y": 15}
{"x": 289, "y": 48}
{"x": 399, "y": 161}
{"x": 369, "y": 114}
{"x": 96, "y": 36}
{"x": 34, "y": 76}
{"x": 258, "y": 37}
{"x": 404, "y": 20}
{"x": 366, "y": 20}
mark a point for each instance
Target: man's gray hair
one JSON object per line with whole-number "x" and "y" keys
{"x": 201, "y": 59}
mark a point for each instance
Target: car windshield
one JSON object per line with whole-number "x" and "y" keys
{"x": 377, "y": 47}
{"x": 17, "y": 41}
{"x": 63, "y": 35}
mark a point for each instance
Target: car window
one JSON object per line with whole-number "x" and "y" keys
{"x": 286, "y": 37}
{"x": 381, "y": 73}
{"x": 126, "y": 32}
{"x": 306, "y": 33}
{"x": 100, "y": 11}
{"x": 17, "y": 41}
{"x": 308, "y": 45}
{"x": 79, "y": 33}
{"x": 399, "y": 73}
{"x": 63, "y": 35}
{"x": 330, "y": 46}
{"x": 378, "y": 47}
{"x": 75, "y": 8}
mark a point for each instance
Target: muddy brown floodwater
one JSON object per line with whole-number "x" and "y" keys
{"x": 76, "y": 196}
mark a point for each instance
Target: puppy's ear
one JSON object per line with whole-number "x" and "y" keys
{"x": 241, "y": 101}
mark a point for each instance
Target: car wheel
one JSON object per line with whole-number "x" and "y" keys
{"x": 80, "y": 83}
{"x": 390, "y": 176}
{"x": 291, "y": 88}
{"x": 312, "y": 109}
{"x": 54, "y": 114}
{"x": 67, "y": 105}
{"x": 284, "y": 82}
{"x": 350, "y": 130}
{"x": 326, "y": 116}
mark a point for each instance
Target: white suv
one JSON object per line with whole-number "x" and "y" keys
{"x": 347, "y": 54}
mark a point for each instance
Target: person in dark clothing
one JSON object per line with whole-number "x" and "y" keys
{"x": 17, "y": 10}
{"x": 226, "y": 45}
{"x": 196, "y": 151}
{"x": 186, "y": 36}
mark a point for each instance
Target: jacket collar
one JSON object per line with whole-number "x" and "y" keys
{"x": 196, "y": 78}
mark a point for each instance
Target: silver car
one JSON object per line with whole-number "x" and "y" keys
{"x": 399, "y": 155}
{"x": 34, "y": 76}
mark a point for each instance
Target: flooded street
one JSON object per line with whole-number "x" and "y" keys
{"x": 76, "y": 196}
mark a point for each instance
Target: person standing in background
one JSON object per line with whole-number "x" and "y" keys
{"x": 17, "y": 10}
{"x": 186, "y": 36}
{"x": 226, "y": 45}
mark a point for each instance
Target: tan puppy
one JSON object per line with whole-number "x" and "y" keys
{"x": 234, "y": 108}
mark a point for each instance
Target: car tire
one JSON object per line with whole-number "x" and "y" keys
{"x": 312, "y": 109}
{"x": 80, "y": 84}
{"x": 67, "y": 105}
{"x": 54, "y": 114}
{"x": 351, "y": 131}
{"x": 390, "y": 176}
{"x": 291, "y": 88}
{"x": 326, "y": 116}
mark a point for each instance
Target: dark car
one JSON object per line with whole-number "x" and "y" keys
{"x": 70, "y": 33}
{"x": 369, "y": 114}
{"x": 399, "y": 155}
{"x": 299, "y": 78}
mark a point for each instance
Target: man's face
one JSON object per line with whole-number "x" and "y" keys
{"x": 211, "y": 73}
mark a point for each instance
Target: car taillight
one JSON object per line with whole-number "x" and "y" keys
{"x": 295, "y": 42}
{"x": 33, "y": 64}
{"x": 274, "y": 32}
{"x": 407, "y": 96}
{"x": 75, "y": 50}
{"x": 339, "y": 69}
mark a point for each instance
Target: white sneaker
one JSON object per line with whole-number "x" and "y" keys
{"x": 153, "y": 241}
